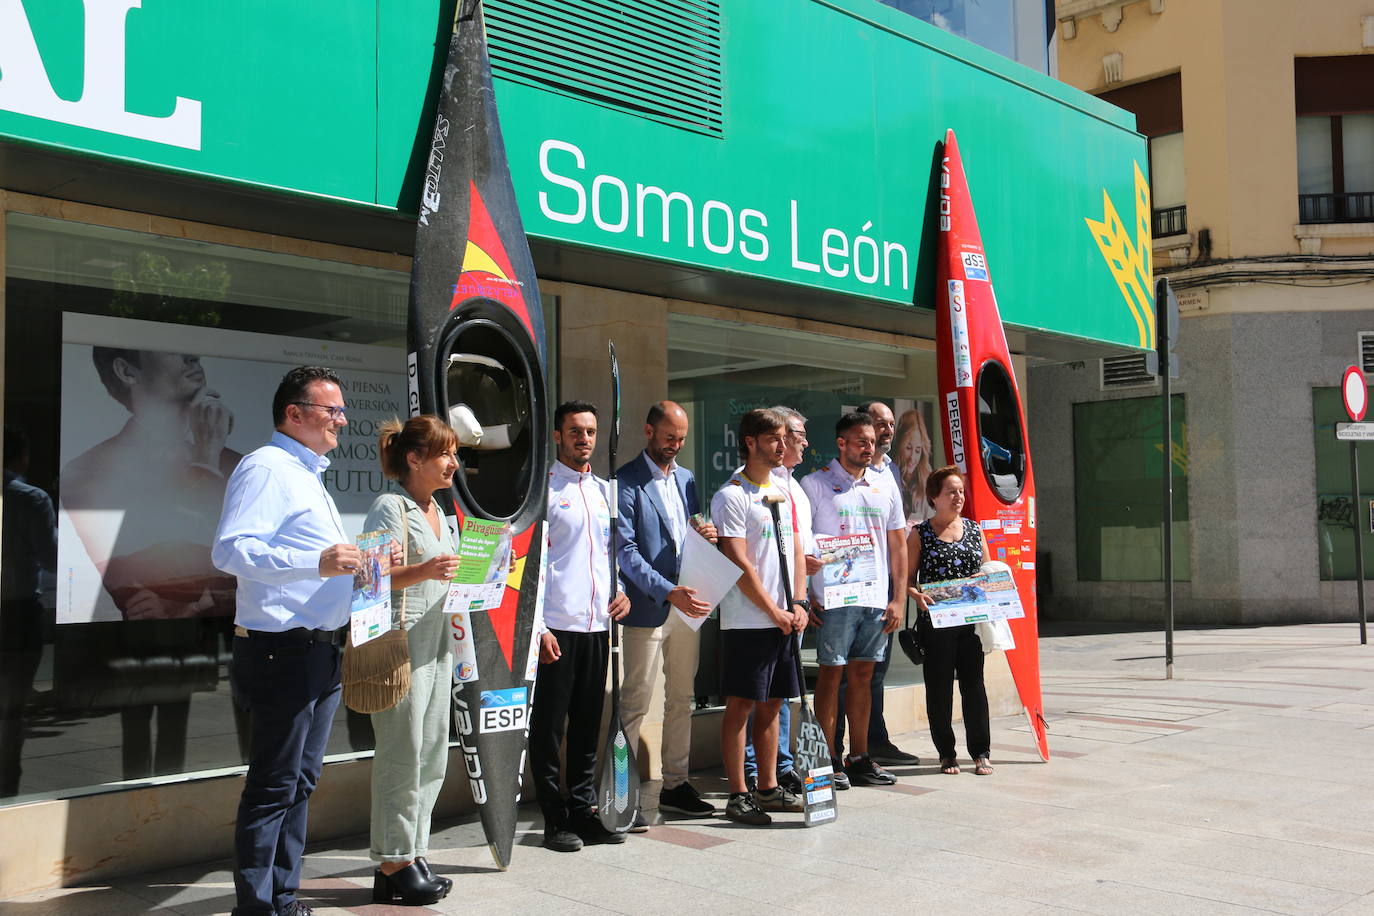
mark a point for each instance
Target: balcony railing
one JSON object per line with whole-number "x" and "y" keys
{"x": 1169, "y": 221}
{"x": 1355, "y": 207}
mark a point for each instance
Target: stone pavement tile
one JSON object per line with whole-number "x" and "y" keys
{"x": 1111, "y": 898}
{"x": 526, "y": 902}
{"x": 1351, "y": 872}
{"x": 1246, "y": 890}
{"x": 76, "y": 901}
{"x": 735, "y": 875}
{"x": 900, "y": 892}
{"x": 185, "y": 892}
{"x": 1364, "y": 906}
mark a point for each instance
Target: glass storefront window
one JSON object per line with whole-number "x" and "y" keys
{"x": 138, "y": 369}
{"x": 1118, "y": 490}
{"x": 719, "y": 370}
{"x": 114, "y": 641}
{"x": 1336, "y": 517}
{"x": 1012, "y": 28}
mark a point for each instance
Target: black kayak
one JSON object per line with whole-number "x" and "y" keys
{"x": 477, "y": 359}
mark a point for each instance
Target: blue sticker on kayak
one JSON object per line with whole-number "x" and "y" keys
{"x": 504, "y": 710}
{"x": 975, "y": 266}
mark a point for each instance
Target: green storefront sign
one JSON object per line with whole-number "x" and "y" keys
{"x": 819, "y": 175}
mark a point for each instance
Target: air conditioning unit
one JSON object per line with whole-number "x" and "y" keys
{"x": 1126, "y": 372}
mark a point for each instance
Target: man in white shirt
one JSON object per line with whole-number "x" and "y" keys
{"x": 570, "y": 687}
{"x": 758, "y": 627}
{"x": 880, "y": 746}
{"x": 280, "y": 534}
{"x": 846, "y": 500}
{"x": 796, "y": 445}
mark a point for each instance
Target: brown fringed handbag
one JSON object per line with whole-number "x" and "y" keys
{"x": 376, "y": 675}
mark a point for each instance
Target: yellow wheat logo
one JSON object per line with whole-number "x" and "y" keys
{"x": 1131, "y": 264}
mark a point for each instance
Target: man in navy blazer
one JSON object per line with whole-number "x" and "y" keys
{"x": 657, "y": 500}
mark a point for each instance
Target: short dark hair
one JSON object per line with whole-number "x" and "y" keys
{"x": 568, "y": 408}
{"x": 755, "y": 423}
{"x": 936, "y": 481}
{"x": 852, "y": 419}
{"x": 425, "y": 434}
{"x": 656, "y": 414}
{"x": 294, "y": 385}
{"x": 104, "y": 358}
{"x": 867, "y": 407}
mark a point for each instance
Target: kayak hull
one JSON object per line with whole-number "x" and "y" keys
{"x": 477, "y": 346}
{"x": 984, "y": 419}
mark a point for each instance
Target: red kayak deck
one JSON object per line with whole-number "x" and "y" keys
{"x": 984, "y": 420}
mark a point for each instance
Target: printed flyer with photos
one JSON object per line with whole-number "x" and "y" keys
{"x": 479, "y": 582}
{"x": 985, "y": 597}
{"x": 370, "y": 611}
{"x": 849, "y": 576}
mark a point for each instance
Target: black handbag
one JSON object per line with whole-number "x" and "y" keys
{"x": 909, "y": 638}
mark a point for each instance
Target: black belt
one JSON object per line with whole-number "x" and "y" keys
{"x": 298, "y": 634}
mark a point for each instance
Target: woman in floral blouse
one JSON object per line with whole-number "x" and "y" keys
{"x": 949, "y": 546}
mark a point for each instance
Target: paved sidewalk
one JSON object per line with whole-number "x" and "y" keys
{"x": 1243, "y": 785}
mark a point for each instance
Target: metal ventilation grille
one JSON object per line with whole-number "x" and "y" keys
{"x": 659, "y": 59}
{"x": 1125, "y": 372}
{"x": 1367, "y": 352}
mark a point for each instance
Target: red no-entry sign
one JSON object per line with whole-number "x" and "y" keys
{"x": 1355, "y": 393}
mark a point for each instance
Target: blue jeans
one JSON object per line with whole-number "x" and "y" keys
{"x": 290, "y": 689}
{"x": 751, "y": 768}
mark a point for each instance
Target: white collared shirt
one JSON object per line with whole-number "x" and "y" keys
{"x": 668, "y": 492}
{"x": 277, "y": 519}
{"x": 843, "y": 504}
{"x": 802, "y": 503}
{"x": 579, "y": 571}
{"x": 885, "y": 471}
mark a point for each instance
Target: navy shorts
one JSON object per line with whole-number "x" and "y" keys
{"x": 759, "y": 664}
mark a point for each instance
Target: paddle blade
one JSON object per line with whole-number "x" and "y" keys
{"x": 811, "y": 760}
{"x": 617, "y": 780}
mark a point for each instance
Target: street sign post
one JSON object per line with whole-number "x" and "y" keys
{"x": 1163, "y": 362}
{"x": 1355, "y": 395}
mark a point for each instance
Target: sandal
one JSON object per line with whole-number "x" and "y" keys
{"x": 949, "y": 766}
{"x": 982, "y": 766}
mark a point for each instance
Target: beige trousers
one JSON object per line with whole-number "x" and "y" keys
{"x": 672, "y": 648}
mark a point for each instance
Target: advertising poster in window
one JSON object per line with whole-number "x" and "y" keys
{"x": 154, "y": 419}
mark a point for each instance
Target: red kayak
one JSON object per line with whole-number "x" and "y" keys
{"x": 985, "y": 427}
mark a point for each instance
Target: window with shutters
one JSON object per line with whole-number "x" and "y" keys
{"x": 1335, "y": 139}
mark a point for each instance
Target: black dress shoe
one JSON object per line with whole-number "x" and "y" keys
{"x": 429, "y": 873}
{"x": 408, "y": 887}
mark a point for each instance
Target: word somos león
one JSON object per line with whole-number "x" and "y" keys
{"x": 676, "y": 218}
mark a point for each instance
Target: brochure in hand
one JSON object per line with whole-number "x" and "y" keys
{"x": 985, "y": 597}
{"x": 849, "y": 577}
{"x": 479, "y": 582}
{"x": 370, "y": 611}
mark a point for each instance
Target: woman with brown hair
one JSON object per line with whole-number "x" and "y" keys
{"x": 412, "y": 737}
{"x": 949, "y": 546}
{"x": 911, "y": 449}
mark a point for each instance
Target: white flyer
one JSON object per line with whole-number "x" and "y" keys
{"x": 707, "y": 570}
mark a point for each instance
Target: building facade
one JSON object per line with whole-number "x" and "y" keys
{"x": 1260, "y": 124}
{"x": 195, "y": 198}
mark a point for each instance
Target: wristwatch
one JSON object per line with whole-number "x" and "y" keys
{"x": 803, "y": 604}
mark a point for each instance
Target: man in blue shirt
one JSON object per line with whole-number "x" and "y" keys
{"x": 280, "y": 534}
